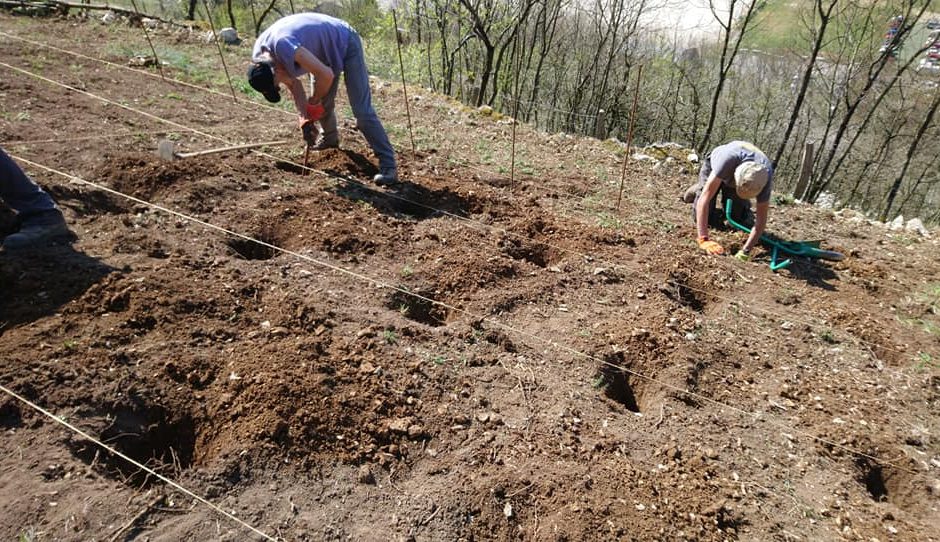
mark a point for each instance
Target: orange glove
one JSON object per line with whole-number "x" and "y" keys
{"x": 710, "y": 247}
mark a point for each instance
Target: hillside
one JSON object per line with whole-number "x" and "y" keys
{"x": 782, "y": 27}
{"x": 467, "y": 356}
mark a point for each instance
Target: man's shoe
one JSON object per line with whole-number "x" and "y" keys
{"x": 33, "y": 235}
{"x": 689, "y": 195}
{"x": 387, "y": 177}
{"x": 323, "y": 144}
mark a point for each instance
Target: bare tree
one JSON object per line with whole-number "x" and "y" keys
{"x": 487, "y": 16}
{"x": 824, "y": 9}
{"x": 821, "y": 180}
{"x": 729, "y": 50}
{"x": 911, "y": 151}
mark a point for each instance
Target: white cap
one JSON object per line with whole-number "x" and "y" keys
{"x": 749, "y": 179}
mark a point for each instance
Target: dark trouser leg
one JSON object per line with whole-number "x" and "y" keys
{"x": 31, "y": 203}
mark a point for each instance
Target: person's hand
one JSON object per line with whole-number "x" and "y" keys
{"x": 710, "y": 247}
{"x": 310, "y": 131}
{"x": 743, "y": 256}
{"x": 315, "y": 111}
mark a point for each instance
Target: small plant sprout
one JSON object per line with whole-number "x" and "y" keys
{"x": 389, "y": 336}
{"x": 925, "y": 361}
{"x": 407, "y": 271}
{"x": 827, "y": 336}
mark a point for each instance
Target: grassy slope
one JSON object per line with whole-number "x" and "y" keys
{"x": 782, "y": 26}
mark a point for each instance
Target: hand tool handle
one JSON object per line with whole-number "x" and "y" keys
{"x": 230, "y": 148}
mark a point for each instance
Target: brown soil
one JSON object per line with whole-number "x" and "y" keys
{"x": 458, "y": 358}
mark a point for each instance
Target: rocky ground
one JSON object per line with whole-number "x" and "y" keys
{"x": 484, "y": 352}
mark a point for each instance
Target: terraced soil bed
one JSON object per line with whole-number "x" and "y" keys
{"x": 467, "y": 356}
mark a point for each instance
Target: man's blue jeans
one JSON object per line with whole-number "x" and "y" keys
{"x": 360, "y": 100}
{"x": 32, "y": 204}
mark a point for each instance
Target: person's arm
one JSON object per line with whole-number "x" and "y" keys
{"x": 299, "y": 95}
{"x": 701, "y": 216}
{"x": 760, "y": 222}
{"x": 701, "y": 206}
{"x": 322, "y": 74}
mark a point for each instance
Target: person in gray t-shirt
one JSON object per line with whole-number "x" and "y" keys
{"x": 324, "y": 47}
{"x": 739, "y": 171}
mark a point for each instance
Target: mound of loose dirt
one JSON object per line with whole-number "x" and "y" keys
{"x": 466, "y": 356}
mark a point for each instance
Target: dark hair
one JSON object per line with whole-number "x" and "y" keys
{"x": 261, "y": 78}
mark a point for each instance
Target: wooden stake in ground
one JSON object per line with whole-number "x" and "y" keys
{"x": 515, "y": 111}
{"x": 150, "y": 43}
{"x": 404, "y": 88}
{"x": 626, "y": 156}
{"x": 219, "y": 47}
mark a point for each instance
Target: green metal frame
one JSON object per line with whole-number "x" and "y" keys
{"x": 807, "y": 249}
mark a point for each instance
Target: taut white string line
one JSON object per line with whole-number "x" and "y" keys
{"x": 265, "y": 106}
{"x": 83, "y": 138}
{"x": 130, "y": 460}
{"x": 537, "y": 338}
{"x": 469, "y": 222}
{"x": 151, "y": 116}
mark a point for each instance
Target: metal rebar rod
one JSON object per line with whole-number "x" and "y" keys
{"x": 626, "y": 156}
{"x": 149, "y": 42}
{"x": 404, "y": 88}
{"x": 515, "y": 110}
{"x": 218, "y": 46}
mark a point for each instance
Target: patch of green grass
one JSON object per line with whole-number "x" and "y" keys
{"x": 658, "y": 224}
{"x": 782, "y": 25}
{"x": 19, "y": 116}
{"x": 593, "y": 201}
{"x": 241, "y": 85}
{"x": 608, "y": 220}
{"x": 929, "y": 296}
{"x": 525, "y": 169}
{"x": 925, "y": 361}
{"x": 827, "y": 336}
{"x": 906, "y": 240}
{"x": 783, "y": 199}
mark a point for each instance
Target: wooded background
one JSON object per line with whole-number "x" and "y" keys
{"x": 781, "y": 74}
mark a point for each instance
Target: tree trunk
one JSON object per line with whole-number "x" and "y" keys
{"x": 911, "y": 150}
{"x": 824, "y": 18}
